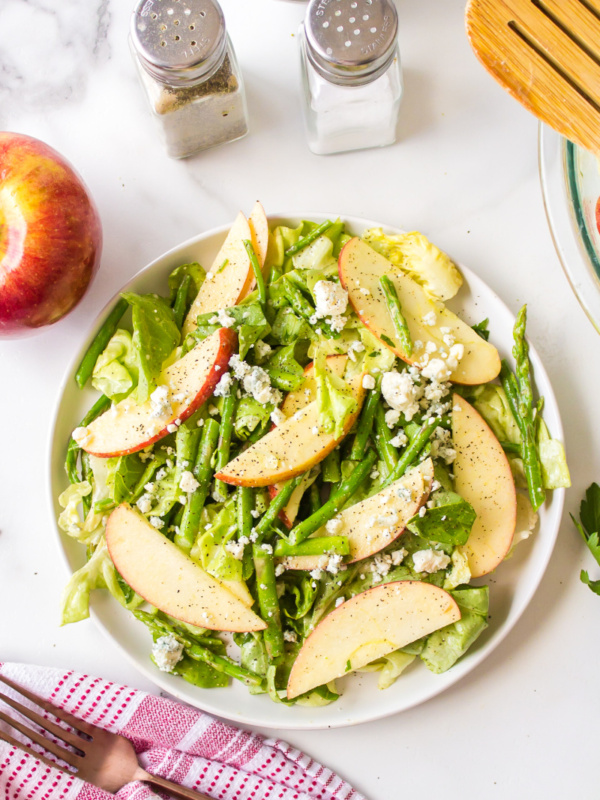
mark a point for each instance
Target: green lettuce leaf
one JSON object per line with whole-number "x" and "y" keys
{"x": 555, "y": 472}
{"x": 196, "y": 273}
{"x": 443, "y": 648}
{"x": 449, "y": 521}
{"x": 209, "y": 548}
{"x": 155, "y": 336}
{"x": 418, "y": 258}
{"x": 249, "y": 415}
{"x": 97, "y": 573}
{"x": 390, "y": 667}
{"x": 289, "y": 328}
{"x": 334, "y": 398}
{"x": 459, "y": 572}
{"x": 284, "y": 371}
{"x": 253, "y": 656}
{"x": 123, "y": 475}
{"x": 116, "y": 373}
{"x": 250, "y": 325}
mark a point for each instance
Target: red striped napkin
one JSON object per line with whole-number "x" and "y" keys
{"x": 172, "y": 740}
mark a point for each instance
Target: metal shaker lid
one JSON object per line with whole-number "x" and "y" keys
{"x": 179, "y": 41}
{"x": 351, "y": 41}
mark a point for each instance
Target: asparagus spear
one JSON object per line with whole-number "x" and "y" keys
{"x": 365, "y": 425}
{"x": 395, "y": 309}
{"x": 180, "y": 306}
{"x": 411, "y": 453}
{"x": 196, "y": 649}
{"x": 260, "y": 281}
{"x": 102, "y": 338}
{"x": 308, "y": 239}
{"x": 276, "y": 505}
{"x": 338, "y": 498}
{"x": 227, "y": 417}
{"x": 529, "y": 454}
{"x": 383, "y": 440}
{"x": 203, "y": 473}
{"x": 266, "y": 589}
{"x": 101, "y": 404}
{"x": 317, "y": 546}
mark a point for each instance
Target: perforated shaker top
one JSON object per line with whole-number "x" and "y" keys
{"x": 351, "y": 41}
{"x": 179, "y": 40}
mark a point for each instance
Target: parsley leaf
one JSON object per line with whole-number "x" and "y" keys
{"x": 589, "y": 527}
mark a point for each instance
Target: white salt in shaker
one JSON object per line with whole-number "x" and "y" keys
{"x": 351, "y": 74}
{"x": 188, "y": 68}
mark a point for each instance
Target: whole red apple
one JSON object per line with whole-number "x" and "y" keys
{"x": 50, "y": 235}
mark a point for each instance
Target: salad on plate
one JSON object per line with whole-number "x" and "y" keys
{"x": 302, "y": 464}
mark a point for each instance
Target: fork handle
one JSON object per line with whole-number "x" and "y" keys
{"x": 173, "y": 788}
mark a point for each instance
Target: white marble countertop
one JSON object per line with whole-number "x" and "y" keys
{"x": 523, "y": 723}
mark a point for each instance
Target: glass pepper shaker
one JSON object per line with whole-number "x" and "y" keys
{"x": 351, "y": 74}
{"x": 188, "y": 69}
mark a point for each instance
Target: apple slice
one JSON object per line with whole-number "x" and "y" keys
{"x": 230, "y": 277}
{"x": 259, "y": 228}
{"x": 306, "y": 393}
{"x": 169, "y": 579}
{"x": 368, "y": 626}
{"x": 379, "y": 520}
{"x": 482, "y": 476}
{"x": 289, "y": 449}
{"x": 128, "y": 427}
{"x": 361, "y": 267}
{"x": 293, "y": 402}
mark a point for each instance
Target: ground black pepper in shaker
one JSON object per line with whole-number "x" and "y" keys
{"x": 188, "y": 69}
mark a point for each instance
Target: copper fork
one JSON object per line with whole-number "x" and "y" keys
{"x": 99, "y": 757}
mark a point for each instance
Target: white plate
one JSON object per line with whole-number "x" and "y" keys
{"x": 510, "y": 591}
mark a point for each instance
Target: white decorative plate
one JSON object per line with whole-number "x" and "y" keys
{"x": 510, "y": 591}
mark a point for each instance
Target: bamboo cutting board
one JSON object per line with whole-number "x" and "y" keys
{"x": 546, "y": 53}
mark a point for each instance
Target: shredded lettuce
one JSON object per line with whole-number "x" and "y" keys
{"x": 421, "y": 260}
{"x": 115, "y": 373}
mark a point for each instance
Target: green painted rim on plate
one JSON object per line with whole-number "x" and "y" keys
{"x": 571, "y": 154}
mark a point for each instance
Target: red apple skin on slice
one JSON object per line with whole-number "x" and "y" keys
{"x": 230, "y": 277}
{"x": 289, "y": 449}
{"x": 365, "y": 523}
{"x": 483, "y": 477}
{"x": 129, "y": 427}
{"x": 169, "y": 579}
{"x": 369, "y": 626}
{"x": 360, "y": 267}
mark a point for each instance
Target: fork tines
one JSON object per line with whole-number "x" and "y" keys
{"x": 75, "y": 738}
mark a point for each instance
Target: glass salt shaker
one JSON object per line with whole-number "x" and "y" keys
{"x": 189, "y": 71}
{"x": 351, "y": 74}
